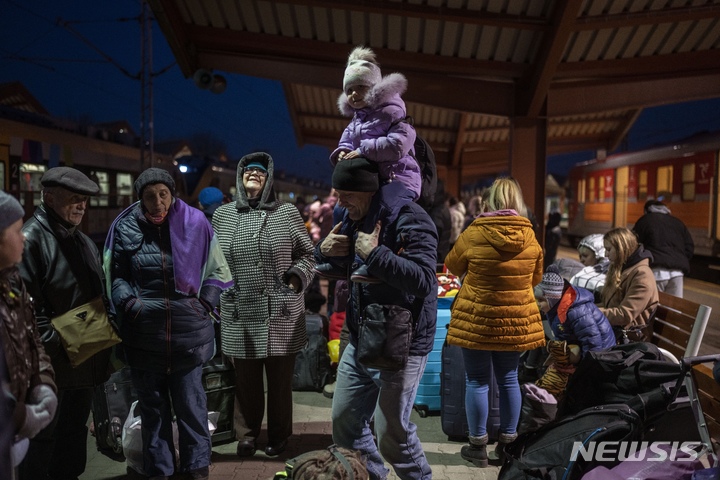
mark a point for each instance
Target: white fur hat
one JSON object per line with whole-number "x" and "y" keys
{"x": 362, "y": 69}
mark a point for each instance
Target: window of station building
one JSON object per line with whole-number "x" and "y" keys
{"x": 688, "y": 182}
{"x": 664, "y": 181}
{"x": 591, "y": 190}
{"x": 642, "y": 184}
{"x": 30, "y": 186}
{"x": 103, "y": 181}
{"x": 124, "y": 186}
{"x": 601, "y": 189}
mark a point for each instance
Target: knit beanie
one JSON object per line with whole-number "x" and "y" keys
{"x": 356, "y": 175}
{"x": 595, "y": 244}
{"x": 10, "y": 210}
{"x": 210, "y": 196}
{"x": 362, "y": 69}
{"x": 552, "y": 285}
{"x": 151, "y": 176}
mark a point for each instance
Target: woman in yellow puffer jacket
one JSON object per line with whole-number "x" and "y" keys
{"x": 495, "y": 317}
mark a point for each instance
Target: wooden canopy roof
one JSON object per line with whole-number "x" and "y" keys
{"x": 583, "y": 69}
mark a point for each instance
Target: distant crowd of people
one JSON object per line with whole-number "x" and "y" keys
{"x": 169, "y": 271}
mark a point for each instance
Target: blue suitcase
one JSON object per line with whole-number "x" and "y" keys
{"x": 453, "y": 419}
{"x": 427, "y": 400}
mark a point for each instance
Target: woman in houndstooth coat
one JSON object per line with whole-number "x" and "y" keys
{"x": 269, "y": 253}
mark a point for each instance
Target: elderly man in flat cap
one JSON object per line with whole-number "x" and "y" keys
{"x": 383, "y": 229}
{"x": 165, "y": 272}
{"x": 62, "y": 270}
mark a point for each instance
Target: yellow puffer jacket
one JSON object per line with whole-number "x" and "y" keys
{"x": 495, "y": 308}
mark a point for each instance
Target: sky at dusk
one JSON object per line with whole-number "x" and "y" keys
{"x": 83, "y": 79}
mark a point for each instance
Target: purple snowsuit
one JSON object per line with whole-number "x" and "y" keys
{"x": 379, "y": 133}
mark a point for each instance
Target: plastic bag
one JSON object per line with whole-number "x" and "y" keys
{"x": 132, "y": 438}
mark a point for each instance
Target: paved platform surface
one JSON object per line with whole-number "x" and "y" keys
{"x": 312, "y": 431}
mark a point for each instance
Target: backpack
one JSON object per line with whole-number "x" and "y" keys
{"x": 548, "y": 453}
{"x": 330, "y": 463}
{"x": 617, "y": 375}
{"x": 425, "y": 158}
{"x": 312, "y": 363}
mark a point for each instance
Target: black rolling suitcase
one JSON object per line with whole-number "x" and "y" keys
{"x": 452, "y": 397}
{"x": 110, "y": 407}
{"x": 218, "y": 380}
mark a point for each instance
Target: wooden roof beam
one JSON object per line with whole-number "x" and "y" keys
{"x": 674, "y": 64}
{"x": 427, "y": 12}
{"x": 634, "y": 93}
{"x": 532, "y": 90}
{"x": 648, "y": 17}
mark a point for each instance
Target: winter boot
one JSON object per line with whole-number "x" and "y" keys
{"x": 329, "y": 390}
{"x": 503, "y": 440}
{"x": 476, "y": 452}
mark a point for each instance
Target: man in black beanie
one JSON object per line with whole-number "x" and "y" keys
{"x": 394, "y": 238}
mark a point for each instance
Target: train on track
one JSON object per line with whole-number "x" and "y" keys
{"x": 611, "y": 192}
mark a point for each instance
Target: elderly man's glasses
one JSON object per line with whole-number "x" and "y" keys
{"x": 255, "y": 170}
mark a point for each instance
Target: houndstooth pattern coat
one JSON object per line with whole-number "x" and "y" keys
{"x": 261, "y": 316}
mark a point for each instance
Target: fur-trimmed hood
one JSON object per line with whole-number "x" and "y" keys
{"x": 383, "y": 92}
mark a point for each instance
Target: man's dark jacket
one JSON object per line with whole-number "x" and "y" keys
{"x": 405, "y": 260}
{"x": 61, "y": 269}
{"x": 668, "y": 239}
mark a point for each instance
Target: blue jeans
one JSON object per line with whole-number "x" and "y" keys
{"x": 477, "y": 384}
{"x": 360, "y": 394}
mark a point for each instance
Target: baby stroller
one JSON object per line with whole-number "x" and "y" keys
{"x": 630, "y": 390}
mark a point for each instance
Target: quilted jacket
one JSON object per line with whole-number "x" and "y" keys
{"x": 495, "y": 309}
{"x": 575, "y": 318}
{"x": 380, "y": 134}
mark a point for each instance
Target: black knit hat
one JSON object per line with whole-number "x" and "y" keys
{"x": 70, "y": 179}
{"x": 356, "y": 175}
{"x": 152, "y": 176}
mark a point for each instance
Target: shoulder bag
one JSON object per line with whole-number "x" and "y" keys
{"x": 384, "y": 336}
{"x": 85, "y": 331}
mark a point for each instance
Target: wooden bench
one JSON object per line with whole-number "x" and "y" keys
{"x": 679, "y": 326}
{"x": 678, "y": 329}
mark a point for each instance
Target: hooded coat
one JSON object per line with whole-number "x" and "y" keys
{"x": 379, "y": 132}
{"x": 501, "y": 262}
{"x": 263, "y": 244}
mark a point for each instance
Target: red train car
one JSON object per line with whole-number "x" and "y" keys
{"x": 609, "y": 193}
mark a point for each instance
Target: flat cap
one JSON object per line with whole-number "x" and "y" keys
{"x": 71, "y": 179}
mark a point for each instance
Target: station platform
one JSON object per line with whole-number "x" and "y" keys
{"x": 312, "y": 431}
